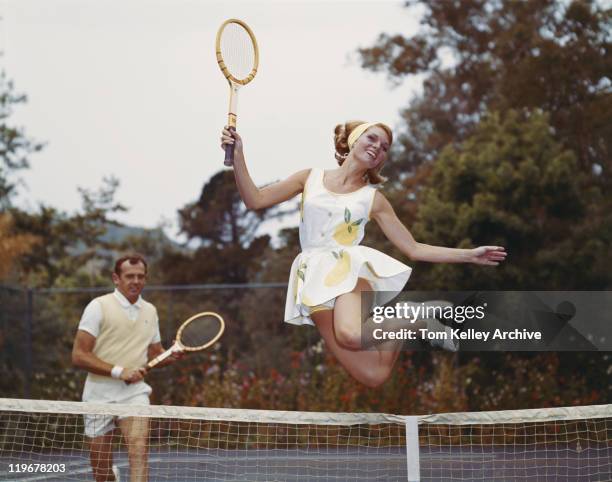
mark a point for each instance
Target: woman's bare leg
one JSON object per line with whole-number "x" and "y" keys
{"x": 370, "y": 367}
{"x": 341, "y": 330}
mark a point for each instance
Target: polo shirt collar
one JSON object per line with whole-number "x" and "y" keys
{"x": 125, "y": 302}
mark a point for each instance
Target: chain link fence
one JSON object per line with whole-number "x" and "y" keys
{"x": 37, "y": 329}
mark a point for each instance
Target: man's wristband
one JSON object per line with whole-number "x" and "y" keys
{"x": 116, "y": 372}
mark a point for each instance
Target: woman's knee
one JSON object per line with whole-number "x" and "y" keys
{"x": 348, "y": 336}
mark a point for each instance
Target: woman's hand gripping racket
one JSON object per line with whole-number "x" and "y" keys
{"x": 195, "y": 334}
{"x": 238, "y": 58}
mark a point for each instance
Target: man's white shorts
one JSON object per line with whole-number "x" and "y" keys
{"x": 111, "y": 391}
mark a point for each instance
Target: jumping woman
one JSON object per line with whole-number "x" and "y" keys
{"x": 330, "y": 275}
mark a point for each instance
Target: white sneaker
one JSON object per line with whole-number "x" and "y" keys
{"x": 116, "y": 473}
{"x": 435, "y": 325}
{"x": 448, "y": 343}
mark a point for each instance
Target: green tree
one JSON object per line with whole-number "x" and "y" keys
{"x": 73, "y": 250}
{"x": 219, "y": 218}
{"x": 485, "y": 55}
{"x": 15, "y": 146}
{"x": 12, "y": 245}
{"x": 480, "y": 56}
{"x": 15, "y": 149}
{"x": 537, "y": 184}
{"x": 511, "y": 183}
{"x": 224, "y": 235}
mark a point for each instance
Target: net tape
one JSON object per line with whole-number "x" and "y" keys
{"x": 293, "y": 417}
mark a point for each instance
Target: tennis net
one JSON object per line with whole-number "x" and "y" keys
{"x": 44, "y": 440}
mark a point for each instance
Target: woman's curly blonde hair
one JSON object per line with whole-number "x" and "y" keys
{"x": 341, "y": 135}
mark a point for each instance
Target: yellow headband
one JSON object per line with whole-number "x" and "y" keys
{"x": 357, "y": 131}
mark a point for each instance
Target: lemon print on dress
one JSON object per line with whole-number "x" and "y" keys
{"x": 300, "y": 275}
{"x": 341, "y": 269}
{"x": 346, "y": 233}
{"x": 307, "y": 301}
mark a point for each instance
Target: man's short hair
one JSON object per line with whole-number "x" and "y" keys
{"x": 132, "y": 258}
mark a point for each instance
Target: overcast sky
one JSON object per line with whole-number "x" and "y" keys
{"x": 131, "y": 88}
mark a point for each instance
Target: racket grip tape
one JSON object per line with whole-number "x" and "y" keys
{"x": 229, "y": 151}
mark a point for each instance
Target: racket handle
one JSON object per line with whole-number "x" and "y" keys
{"x": 229, "y": 152}
{"x": 173, "y": 349}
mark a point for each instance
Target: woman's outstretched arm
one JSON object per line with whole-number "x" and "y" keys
{"x": 254, "y": 197}
{"x": 398, "y": 234}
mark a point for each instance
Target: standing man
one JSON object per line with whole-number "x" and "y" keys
{"x": 117, "y": 335}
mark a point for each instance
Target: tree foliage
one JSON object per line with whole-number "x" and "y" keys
{"x": 511, "y": 184}
{"x": 219, "y": 218}
{"x": 223, "y": 234}
{"x": 73, "y": 250}
{"x": 15, "y": 146}
{"x": 492, "y": 55}
{"x": 12, "y": 245}
{"x": 509, "y": 143}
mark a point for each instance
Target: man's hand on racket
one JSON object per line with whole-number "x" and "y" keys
{"x": 176, "y": 356}
{"x": 133, "y": 375}
{"x": 229, "y": 138}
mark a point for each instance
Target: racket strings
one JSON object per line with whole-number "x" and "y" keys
{"x": 237, "y": 50}
{"x": 200, "y": 331}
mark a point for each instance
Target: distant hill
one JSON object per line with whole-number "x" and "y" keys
{"x": 151, "y": 242}
{"x": 120, "y": 234}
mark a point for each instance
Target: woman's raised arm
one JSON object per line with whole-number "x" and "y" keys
{"x": 254, "y": 197}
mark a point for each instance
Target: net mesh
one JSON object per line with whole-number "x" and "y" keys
{"x": 188, "y": 444}
{"x": 237, "y": 50}
{"x": 553, "y": 450}
{"x": 206, "y": 444}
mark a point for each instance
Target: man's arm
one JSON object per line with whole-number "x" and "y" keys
{"x": 83, "y": 357}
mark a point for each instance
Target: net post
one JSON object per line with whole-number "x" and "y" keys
{"x": 412, "y": 449}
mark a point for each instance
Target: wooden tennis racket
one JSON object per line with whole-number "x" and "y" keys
{"x": 195, "y": 334}
{"x": 238, "y": 59}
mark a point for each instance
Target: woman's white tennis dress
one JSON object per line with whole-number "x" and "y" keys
{"x": 331, "y": 227}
